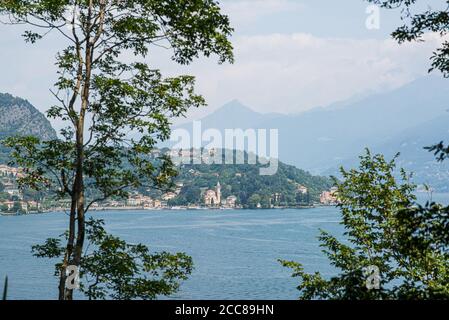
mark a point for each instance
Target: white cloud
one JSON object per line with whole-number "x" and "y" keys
{"x": 286, "y": 73}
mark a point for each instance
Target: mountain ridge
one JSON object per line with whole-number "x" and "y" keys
{"x": 324, "y": 138}
{"x": 19, "y": 117}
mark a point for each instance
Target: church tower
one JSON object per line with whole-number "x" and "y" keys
{"x": 218, "y": 192}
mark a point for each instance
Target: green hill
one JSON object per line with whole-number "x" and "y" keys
{"x": 250, "y": 188}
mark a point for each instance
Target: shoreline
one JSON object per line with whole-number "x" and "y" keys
{"x": 58, "y": 210}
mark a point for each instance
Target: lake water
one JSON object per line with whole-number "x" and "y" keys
{"x": 235, "y": 252}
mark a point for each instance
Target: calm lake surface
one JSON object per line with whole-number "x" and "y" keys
{"x": 235, "y": 252}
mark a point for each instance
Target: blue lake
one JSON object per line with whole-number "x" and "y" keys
{"x": 235, "y": 252}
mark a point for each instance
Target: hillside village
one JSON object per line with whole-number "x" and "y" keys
{"x": 11, "y": 197}
{"x": 13, "y": 200}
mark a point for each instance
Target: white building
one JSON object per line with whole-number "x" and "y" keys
{"x": 231, "y": 201}
{"x": 301, "y": 189}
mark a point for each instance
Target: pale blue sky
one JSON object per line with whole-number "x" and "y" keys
{"x": 291, "y": 55}
{"x": 322, "y": 18}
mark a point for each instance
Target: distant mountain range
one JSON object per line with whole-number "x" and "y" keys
{"x": 403, "y": 120}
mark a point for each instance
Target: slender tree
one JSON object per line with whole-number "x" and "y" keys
{"x": 115, "y": 106}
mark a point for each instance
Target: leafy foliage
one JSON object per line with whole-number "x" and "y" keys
{"x": 385, "y": 229}
{"x": 114, "y": 269}
{"x": 128, "y": 104}
{"x": 115, "y": 109}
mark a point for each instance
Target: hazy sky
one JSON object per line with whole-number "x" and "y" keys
{"x": 291, "y": 55}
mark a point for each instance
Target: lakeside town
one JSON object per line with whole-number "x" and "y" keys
{"x": 14, "y": 201}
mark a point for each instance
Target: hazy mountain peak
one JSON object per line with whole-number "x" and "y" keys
{"x": 20, "y": 117}
{"x": 235, "y": 106}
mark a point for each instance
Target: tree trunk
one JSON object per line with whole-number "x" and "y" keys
{"x": 74, "y": 250}
{"x": 63, "y": 293}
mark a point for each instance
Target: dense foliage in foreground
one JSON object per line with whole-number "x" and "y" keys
{"x": 393, "y": 248}
{"x": 114, "y": 269}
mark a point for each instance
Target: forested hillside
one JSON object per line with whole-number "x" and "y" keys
{"x": 250, "y": 188}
